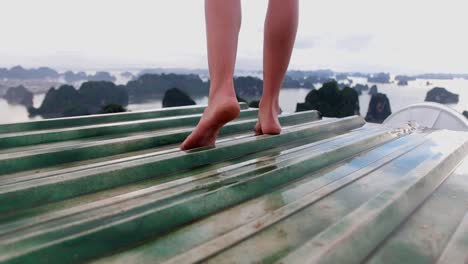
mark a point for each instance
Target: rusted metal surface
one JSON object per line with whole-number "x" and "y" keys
{"x": 324, "y": 191}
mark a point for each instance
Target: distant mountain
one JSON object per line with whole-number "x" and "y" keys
{"x": 319, "y": 74}
{"x": 91, "y": 98}
{"x": 71, "y": 77}
{"x": 311, "y": 77}
{"x": 432, "y": 76}
{"x": 403, "y": 83}
{"x": 379, "y": 108}
{"x": 112, "y": 108}
{"x": 248, "y": 86}
{"x": 341, "y": 76}
{"x": 203, "y": 72}
{"x": 358, "y": 74}
{"x": 45, "y": 73}
{"x": 379, "y": 78}
{"x": 405, "y": 78}
{"x": 3, "y": 89}
{"x": 21, "y": 73}
{"x": 128, "y": 75}
{"x": 150, "y": 86}
{"x": 289, "y": 82}
{"x": 102, "y": 76}
{"x": 373, "y": 90}
{"x": 19, "y": 95}
{"x": 175, "y": 97}
{"x": 436, "y": 76}
{"x": 331, "y": 101}
{"x": 359, "y": 88}
{"x": 441, "y": 95}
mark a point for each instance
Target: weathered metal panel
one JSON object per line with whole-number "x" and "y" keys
{"x": 324, "y": 191}
{"x": 101, "y": 119}
{"x": 19, "y": 139}
{"x": 14, "y": 160}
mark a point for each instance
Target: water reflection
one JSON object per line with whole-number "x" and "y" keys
{"x": 15, "y": 113}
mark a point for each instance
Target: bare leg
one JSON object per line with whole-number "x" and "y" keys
{"x": 223, "y": 20}
{"x": 280, "y": 33}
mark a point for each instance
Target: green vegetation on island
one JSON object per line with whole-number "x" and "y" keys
{"x": 176, "y": 97}
{"x": 248, "y": 86}
{"x": 373, "y": 90}
{"x": 441, "y": 95}
{"x": 149, "y": 86}
{"x": 91, "y": 98}
{"x": 379, "y": 108}
{"x": 19, "y": 95}
{"x": 112, "y": 108}
{"x": 331, "y": 101}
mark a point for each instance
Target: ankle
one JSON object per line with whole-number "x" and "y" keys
{"x": 269, "y": 105}
{"x": 222, "y": 88}
{"x": 220, "y": 99}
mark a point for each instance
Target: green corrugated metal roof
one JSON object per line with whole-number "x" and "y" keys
{"x": 116, "y": 189}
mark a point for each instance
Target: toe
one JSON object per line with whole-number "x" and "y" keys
{"x": 185, "y": 145}
{"x": 258, "y": 129}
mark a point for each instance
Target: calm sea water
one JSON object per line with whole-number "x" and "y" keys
{"x": 400, "y": 96}
{"x": 415, "y": 92}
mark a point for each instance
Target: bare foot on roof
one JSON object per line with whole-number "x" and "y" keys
{"x": 268, "y": 122}
{"x": 221, "y": 109}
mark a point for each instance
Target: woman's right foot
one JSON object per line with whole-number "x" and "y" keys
{"x": 220, "y": 110}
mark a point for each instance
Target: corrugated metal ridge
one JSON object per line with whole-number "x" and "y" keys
{"x": 101, "y": 119}
{"x": 323, "y": 191}
{"x": 19, "y": 139}
{"x": 26, "y": 159}
{"x": 456, "y": 249}
{"x": 375, "y": 219}
{"x": 40, "y": 186}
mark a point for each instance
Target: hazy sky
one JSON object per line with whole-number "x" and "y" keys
{"x": 345, "y": 35}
